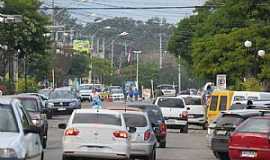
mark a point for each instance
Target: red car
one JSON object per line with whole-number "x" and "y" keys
{"x": 251, "y": 140}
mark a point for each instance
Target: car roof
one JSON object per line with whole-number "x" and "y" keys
{"x": 192, "y": 96}
{"x": 24, "y": 96}
{"x": 89, "y": 110}
{"x": 5, "y": 100}
{"x": 243, "y": 113}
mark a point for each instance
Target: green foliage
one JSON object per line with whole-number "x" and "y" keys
{"x": 32, "y": 85}
{"x": 218, "y": 36}
{"x": 79, "y": 66}
{"x": 251, "y": 84}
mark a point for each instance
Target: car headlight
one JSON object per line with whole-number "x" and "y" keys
{"x": 73, "y": 104}
{"x": 36, "y": 122}
{"x": 7, "y": 153}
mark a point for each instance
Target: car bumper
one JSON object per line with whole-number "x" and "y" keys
{"x": 65, "y": 109}
{"x": 261, "y": 154}
{"x": 82, "y": 97}
{"x": 102, "y": 155}
{"x": 219, "y": 144}
{"x": 141, "y": 149}
{"x": 11, "y": 158}
{"x": 199, "y": 121}
{"x": 175, "y": 124}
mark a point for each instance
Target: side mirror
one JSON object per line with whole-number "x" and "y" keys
{"x": 32, "y": 129}
{"x": 62, "y": 126}
{"x": 132, "y": 129}
{"x": 188, "y": 108}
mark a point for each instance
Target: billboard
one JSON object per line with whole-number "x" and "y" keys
{"x": 221, "y": 81}
{"x": 81, "y": 46}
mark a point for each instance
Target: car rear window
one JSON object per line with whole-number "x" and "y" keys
{"x": 213, "y": 104}
{"x": 135, "y": 120}
{"x": 155, "y": 115}
{"x": 97, "y": 118}
{"x": 255, "y": 125}
{"x": 31, "y": 105}
{"x": 193, "y": 101}
{"x": 171, "y": 103}
{"x": 229, "y": 120}
{"x": 7, "y": 119}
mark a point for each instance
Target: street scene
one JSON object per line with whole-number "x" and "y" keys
{"x": 134, "y": 80}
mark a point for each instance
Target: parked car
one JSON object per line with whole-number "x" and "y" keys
{"x": 157, "y": 120}
{"x": 46, "y": 107}
{"x": 143, "y": 140}
{"x": 175, "y": 112}
{"x": 63, "y": 101}
{"x": 33, "y": 106}
{"x": 225, "y": 125}
{"x": 197, "y": 112}
{"x": 94, "y": 133}
{"x": 165, "y": 90}
{"x": 45, "y": 92}
{"x": 19, "y": 138}
{"x": 251, "y": 139}
{"x": 116, "y": 95}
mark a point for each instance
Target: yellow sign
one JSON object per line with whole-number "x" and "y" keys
{"x": 81, "y": 46}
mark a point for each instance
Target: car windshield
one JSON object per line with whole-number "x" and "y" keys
{"x": 135, "y": 120}
{"x": 62, "y": 95}
{"x": 193, "y": 101}
{"x": 7, "y": 119}
{"x": 166, "y": 87}
{"x": 31, "y": 105}
{"x": 255, "y": 125}
{"x": 86, "y": 87}
{"x": 97, "y": 118}
{"x": 171, "y": 103}
{"x": 229, "y": 120}
{"x": 117, "y": 91}
{"x": 44, "y": 92}
{"x": 238, "y": 106}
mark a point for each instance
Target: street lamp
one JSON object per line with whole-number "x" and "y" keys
{"x": 248, "y": 44}
{"x": 261, "y": 53}
{"x": 137, "y": 71}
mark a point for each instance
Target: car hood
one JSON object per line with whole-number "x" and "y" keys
{"x": 8, "y": 139}
{"x": 85, "y": 91}
{"x": 62, "y": 100}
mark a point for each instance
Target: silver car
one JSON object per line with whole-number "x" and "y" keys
{"x": 143, "y": 140}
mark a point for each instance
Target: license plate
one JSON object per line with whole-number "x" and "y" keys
{"x": 171, "y": 121}
{"x": 190, "y": 116}
{"x": 61, "y": 109}
{"x": 223, "y": 133}
{"x": 249, "y": 154}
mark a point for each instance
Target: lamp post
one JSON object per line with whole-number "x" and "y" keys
{"x": 137, "y": 70}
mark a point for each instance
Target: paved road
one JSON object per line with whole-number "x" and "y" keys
{"x": 191, "y": 146}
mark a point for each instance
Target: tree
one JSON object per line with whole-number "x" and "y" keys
{"x": 79, "y": 66}
{"x": 217, "y": 39}
{"x": 26, "y": 36}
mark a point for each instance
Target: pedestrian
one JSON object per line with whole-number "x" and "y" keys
{"x": 136, "y": 94}
{"x": 130, "y": 94}
{"x": 96, "y": 101}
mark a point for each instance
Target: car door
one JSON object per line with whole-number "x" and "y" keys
{"x": 32, "y": 141}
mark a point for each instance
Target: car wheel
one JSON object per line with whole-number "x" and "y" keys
{"x": 162, "y": 144}
{"x": 184, "y": 129}
{"x": 205, "y": 126}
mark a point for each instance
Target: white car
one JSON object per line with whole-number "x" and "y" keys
{"x": 197, "y": 111}
{"x": 92, "y": 133}
{"x": 166, "y": 90}
{"x": 175, "y": 112}
{"x": 85, "y": 91}
{"x": 117, "y": 95}
{"x": 19, "y": 139}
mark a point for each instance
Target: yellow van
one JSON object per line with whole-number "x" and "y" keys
{"x": 223, "y": 99}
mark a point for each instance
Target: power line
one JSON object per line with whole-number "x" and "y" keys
{"x": 129, "y": 8}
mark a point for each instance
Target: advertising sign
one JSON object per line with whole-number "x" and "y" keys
{"x": 81, "y": 46}
{"x": 221, "y": 81}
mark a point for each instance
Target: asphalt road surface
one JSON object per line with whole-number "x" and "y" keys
{"x": 191, "y": 146}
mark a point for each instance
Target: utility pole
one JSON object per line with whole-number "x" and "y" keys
{"x": 137, "y": 70}
{"x": 103, "y": 48}
{"x": 160, "y": 47}
{"x": 112, "y": 53}
{"x": 54, "y": 44}
{"x": 179, "y": 73}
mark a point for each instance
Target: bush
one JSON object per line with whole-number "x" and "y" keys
{"x": 251, "y": 84}
{"x": 32, "y": 85}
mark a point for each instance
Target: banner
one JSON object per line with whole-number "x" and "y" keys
{"x": 81, "y": 46}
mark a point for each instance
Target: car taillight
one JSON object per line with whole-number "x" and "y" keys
{"x": 163, "y": 128}
{"x": 72, "y": 132}
{"x": 184, "y": 115}
{"x": 120, "y": 134}
{"x": 147, "y": 135}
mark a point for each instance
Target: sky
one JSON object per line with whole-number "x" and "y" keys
{"x": 172, "y": 15}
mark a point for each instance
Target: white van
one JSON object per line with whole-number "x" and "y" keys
{"x": 197, "y": 112}
{"x": 175, "y": 112}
